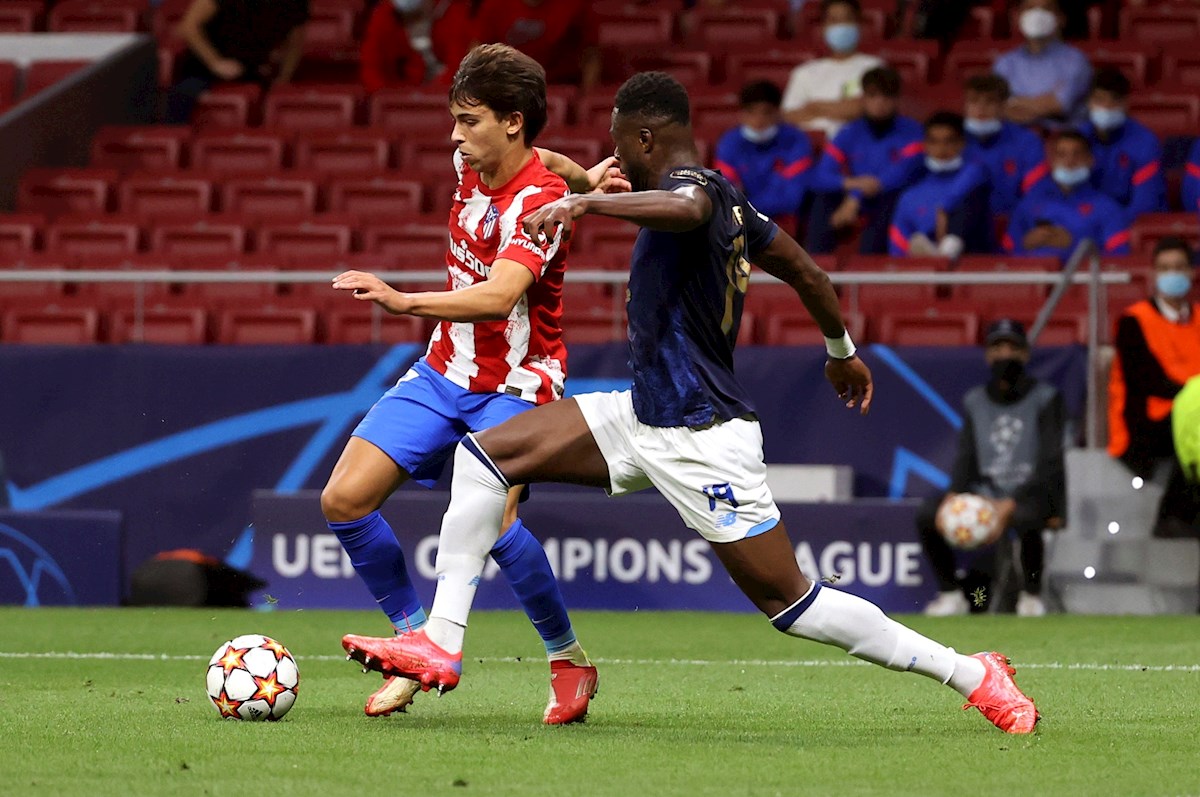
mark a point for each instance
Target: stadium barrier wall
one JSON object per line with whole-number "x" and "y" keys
{"x": 60, "y": 558}
{"x": 177, "y": 438}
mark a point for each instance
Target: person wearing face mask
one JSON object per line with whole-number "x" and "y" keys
{"x": 1014, "y": 156}
{"x": 946, "y": 212}
{"x": 766, "y": 157}
{"x": 823, "y": 94}
{"x": 1128, "y": 154}
{"x": 1010, "y": 450}
{"x": 1048, "y": 78}
{"x": 863, "y": 170}
{"x": 1157, "y": 351}
{"x": 410, "y": 42}
{"x": 258, "y": 41}
{"x": 1055, "y": 216}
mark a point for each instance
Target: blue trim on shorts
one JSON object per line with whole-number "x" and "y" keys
{"x": 762, "y": 528}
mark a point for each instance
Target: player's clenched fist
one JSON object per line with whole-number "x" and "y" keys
{"x": 369, "y": 288}
{"x": 542, "y": 224}
{"x": 852, "y": 380}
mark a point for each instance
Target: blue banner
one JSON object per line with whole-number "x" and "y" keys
{"x": 60, "y": 558}
{"x": 177, "y": 438}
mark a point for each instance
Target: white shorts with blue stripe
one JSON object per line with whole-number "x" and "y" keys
{"x": 714, "y": 477}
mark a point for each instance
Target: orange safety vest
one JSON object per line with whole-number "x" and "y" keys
{"x": 1176, "y": 347}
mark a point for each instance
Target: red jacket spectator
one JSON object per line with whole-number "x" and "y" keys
{"x": 387, "y": 60}
{"x": 560, "y": 35}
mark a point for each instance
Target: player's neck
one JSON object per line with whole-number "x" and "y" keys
{"x": 678, "y": 158}
{"x": 508, "y": 167}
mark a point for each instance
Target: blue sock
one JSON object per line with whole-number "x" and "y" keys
{"x": 379, "y": 561}
{"x": 523, "y": 562}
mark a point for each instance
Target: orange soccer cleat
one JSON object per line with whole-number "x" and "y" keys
{"x": 413, "y": 655}
{"x": 571, "y": 688}
{"x": 999, "y": 699}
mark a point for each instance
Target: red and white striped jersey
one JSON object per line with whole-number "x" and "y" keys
{"x": 523, "y": 355}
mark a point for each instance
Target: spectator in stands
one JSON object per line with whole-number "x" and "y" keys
{"x": 1191, "y": 178}
{"x": 236, "y": 40}
{"x": 1128, "y": 154}
{"x": 1048, "y": 78}
{"x": 824, "y": 93}
{"x": 863, "y": 170}
{"x": 1055, "y": 216}
{"x": 560, "y": 35}
{"x": 1010, "y": 450}
{"x": 1014, "y": 156}
{"x": 1157, "y": 351}
{"x": 769, "y": 159}
{"x": 946, "y": 212}
{"x": 414, "y": 42}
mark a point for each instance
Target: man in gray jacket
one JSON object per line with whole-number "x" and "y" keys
{"x": 1010, "y": 450}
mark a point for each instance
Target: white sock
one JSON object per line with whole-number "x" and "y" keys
{"x": 858, "y": 627}
{"x": 573, "y": 653}
{"x": 470, "y": 529}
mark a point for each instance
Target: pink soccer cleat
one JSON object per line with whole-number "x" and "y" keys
{"x": 412, "y": 655}
{"x": 999, "y": 699}
{"x": 396, "y": 694}
{"x": 571, "y": 688}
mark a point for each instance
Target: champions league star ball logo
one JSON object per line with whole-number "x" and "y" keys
{"x": 28, "y": 574}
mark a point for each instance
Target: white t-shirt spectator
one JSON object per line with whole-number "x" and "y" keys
{"x": 825, "y": 79}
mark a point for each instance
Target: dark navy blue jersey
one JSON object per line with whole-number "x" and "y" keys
{"x": 686, "y": 291}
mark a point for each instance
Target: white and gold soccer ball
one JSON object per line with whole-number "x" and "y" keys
{"x": 967, "y": 521}
{"x": 252, "y": 677}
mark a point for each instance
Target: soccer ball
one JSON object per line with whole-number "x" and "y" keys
{"x": 252, "y": 677}
{"x": 967, "y": 521}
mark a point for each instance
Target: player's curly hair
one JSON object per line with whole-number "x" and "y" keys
{"x": 654, "y": 95}
{"x": 506, "y": 81}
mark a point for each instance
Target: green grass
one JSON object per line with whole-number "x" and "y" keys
{"x": 658, "y": 727}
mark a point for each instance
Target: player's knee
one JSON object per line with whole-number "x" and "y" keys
{"x": 340, "y": 506}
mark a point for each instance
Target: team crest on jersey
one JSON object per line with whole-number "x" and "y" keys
{"x": 489, "y": 222}
{"x": 690, "y": 174}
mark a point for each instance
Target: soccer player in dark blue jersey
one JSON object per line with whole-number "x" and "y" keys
{"x": 687, "y": 426}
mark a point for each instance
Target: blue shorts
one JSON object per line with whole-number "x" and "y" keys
{"x": 419, "y": 421}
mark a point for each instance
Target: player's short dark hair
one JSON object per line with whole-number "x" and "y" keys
{"x": 992, "y": 85}
{"x": 854, "y": 5}
{"x": 1112, "y": 80}
{"x": 506, "y": 81}
{"x": 760, "y": 91}
{"x": 882, "y": 80}
{"x": 654, "y": 95}
{"x": 1174, "y": 243}
{"x": 1073, "y": 135}
{"x": 949, "y": 119}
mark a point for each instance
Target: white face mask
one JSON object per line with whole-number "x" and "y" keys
{"x": 982, "y": 127}
{"x": 1038, "y": 23}
{"x": 938, "y": 166}
{"x": 407, "y": 6}
{"x": 759, "y": 136}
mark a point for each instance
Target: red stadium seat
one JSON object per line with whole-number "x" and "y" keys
{"x": 166, "y": 17}
{"x": 1181, "y": 65}
{"x": 373, "y": 325}
{"x": 889, "y": 263}
{"x": 330, "y": 29}
{"x": 8, "y": 79}
{"x": 159, "y": 323}
{"x": 1160, "y": 24}
{"x": 1133, "y": 61}
{"x": 689, "y": 68}
{"x": 31, "y": 294}
{"x": 258, "y": 197}
{"x": 722, "y": 27}
{"x": 18, "y": 235}
{"x": 93, "y": 16}
{"x": 168, "y": 57}
{"x": 429, "y": 156}
{"x": 54, "y": 192}
{"x": 773, "y": 65}
{"x": 1166, "y": 114}
{"x": 603, "y": 243}
{"x": 929, "y": 329}
{"x": 267, "y": 326}
{"x": 592, "y": 317}
{"x": 379, "y": 197}
{"x": 1015, "y": 296}
{"x": 643, "y": 27}
{"x": 415, "y": 112}
{"x": 584, "y": 151}
{"x": 241, "y": 152}
{"x": 912, "y": 59}
{"x": 159, "y": 196}
{"x": 199, "y": 239}
{"x": 43, "y": 74}
{"x": 53, "y": 324}
{"x": 345, "y": 152}
{"x": 1062, "y": 329}
{"x": 799, "y": 329}
{"x": 18, "y": 17}
{"x": 228, "y": 105}
{"x": 967, "y": 59}
{"x": 306, "y": 238}
{"x": 158, "y": 148}
{"x": 98, "y": 236}
{"x": 716, "y": 112}
{"x": 1149, "y": 228}
{"x": 414, "y": 246}
{"x": 311, "y": 107}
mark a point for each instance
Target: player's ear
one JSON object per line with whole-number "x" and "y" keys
{"x": 646, "y": 139}
{"x": 514, "y": 123}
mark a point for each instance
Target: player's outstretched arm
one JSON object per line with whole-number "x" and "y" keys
{"x": 604, "y": 177}
{"x": 490, "y": 300}
{"x": 683, "y": 209}
{"x": 785, "y": 260}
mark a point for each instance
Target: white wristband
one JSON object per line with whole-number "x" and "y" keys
{"x": 840, "y": 348}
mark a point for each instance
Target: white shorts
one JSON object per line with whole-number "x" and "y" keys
{"x": 714, "y": 477}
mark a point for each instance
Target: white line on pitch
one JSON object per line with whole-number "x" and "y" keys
{"x": 1056, "y": 665}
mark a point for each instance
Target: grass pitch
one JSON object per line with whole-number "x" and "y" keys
{"x": 689, "y": 704}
